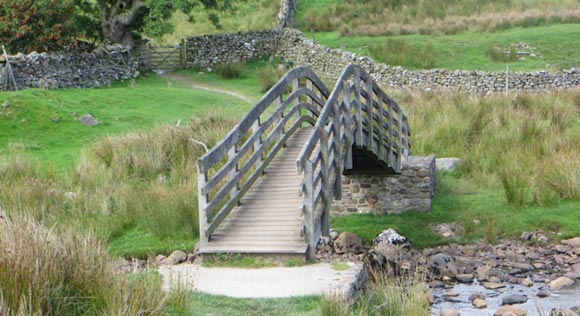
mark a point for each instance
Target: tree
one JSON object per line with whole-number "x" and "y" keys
{"x": 121, "y": 19}
{"x": 39, "y": 25}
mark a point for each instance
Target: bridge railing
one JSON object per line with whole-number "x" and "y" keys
{"x": 359, "y": 113}
{"x": 228, "y": 170}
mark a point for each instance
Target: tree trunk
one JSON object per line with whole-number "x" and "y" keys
{"x": 117, "y": 20}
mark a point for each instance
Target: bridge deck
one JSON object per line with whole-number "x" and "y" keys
{"x": 268, "y": 220}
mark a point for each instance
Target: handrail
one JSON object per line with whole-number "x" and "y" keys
{"x": 229, "y": 169}
{"x": 359, "y": 113}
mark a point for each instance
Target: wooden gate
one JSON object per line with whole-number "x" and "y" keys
{"x": 166, "y": 58}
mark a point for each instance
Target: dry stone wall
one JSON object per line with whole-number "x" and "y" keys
{"x": 295, "y": 47}
{"x": 209, "y": 50}
{"x": 74, "y": 70}
{"x": 412, "y": 189}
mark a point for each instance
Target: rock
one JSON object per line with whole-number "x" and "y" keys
{"x": 450, "y": 294}
{"x": 325, "y": 244}
{"x": 448, "y": 312}
{"x": 527, "y": 282}
{"x": 479, "y": 303}
{"x": 430, "y": 297}
{"x": 159, "y": 258}
{"x": 89, "y": 120}
{"x": 392, "y": 238}
{"x": 493, "y": 285}
{"x": 447, "y": 164}
{"x": 465, "y": 278}
{"x": 573, "y": 311}
{"x": 504, "y": 310}
{"x": 514, "y": 299}
{"x": 442, "y": 265}
{"x": 333, "y": 234}
{"x": 475, "y": 296}
{"x": 574, "y": 242}
{"x": 348, "y": 243}
{"x": 482, "y": 273}
{"x": 5, "y": 104}
{"x": 543, "y": 293}
{"x": 559, "y": 283}
{"x": 526, "y": 236}
{"x": 176, "y": 257}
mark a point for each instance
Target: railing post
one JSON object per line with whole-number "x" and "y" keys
{"x": 202, "y": 205}
{"x": 381, "y": 127}
{"x": 358, "y": 108}
{"x": 231, "y": 155}
{"x": 337, "y": 127}
{"x": 325, "y": 183}
{"x": 309, "y": 210}
{"x": 369, "y": 113}
{"x": 349, "y": 135}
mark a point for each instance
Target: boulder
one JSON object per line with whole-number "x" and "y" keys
{"x": 504, "y": 310}
{"x": 176, "y": 257}
{"x": 479, "y": 303}
{"x": 447, "y": 164}
{"x": 348, "y": 243}
{"x": 514, "y": 299}
{"x": 89, "y": 120}
{"x": 573, "y": 311}
{"x": 442, "y": 265}
{"x": 465, "y": 278}
{"x": 449, "y": 312}
{"x": 390, "y": 237}
{"x": 559, "y": 283}
{"x": 574, "y": 242}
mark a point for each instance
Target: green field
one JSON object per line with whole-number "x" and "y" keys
{"x": 557, "y": 47}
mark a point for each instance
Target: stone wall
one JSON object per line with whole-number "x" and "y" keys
{"x": 295, "y": 47}
{"x": 208, "y": 50}
{"x": 412, "y": 189}
{"x": 75, "y": 70}
{"x": 287, "y": 15}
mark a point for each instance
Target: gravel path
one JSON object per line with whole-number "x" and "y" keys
{"x": 315, "y": 279}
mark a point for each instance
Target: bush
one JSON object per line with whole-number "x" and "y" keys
{"x": 499, "y": 54}
{"x": 41, "y": 25}
{"x": 229, "y": 71}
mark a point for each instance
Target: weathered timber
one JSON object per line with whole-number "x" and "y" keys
{"x": 267, "y": 187}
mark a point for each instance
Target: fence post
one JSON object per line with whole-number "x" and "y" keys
{"x": 183, "y": 53}
{"x": 202, "y": 205}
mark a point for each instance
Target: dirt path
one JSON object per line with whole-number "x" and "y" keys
{"x": 196, "y": 85}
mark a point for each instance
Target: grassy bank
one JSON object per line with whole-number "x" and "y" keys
{"x": 556, "y": 48}
{"x": 378, "y": 17}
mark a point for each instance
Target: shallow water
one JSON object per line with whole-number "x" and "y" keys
{"x": 564, "y": 298}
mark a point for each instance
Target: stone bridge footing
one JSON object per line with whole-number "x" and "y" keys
{"x": 372, "y": 192}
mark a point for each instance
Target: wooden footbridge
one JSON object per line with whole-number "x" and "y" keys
{"x": 268, "y": 186}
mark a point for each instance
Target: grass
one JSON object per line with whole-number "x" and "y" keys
{"x": 556, "y": 47}
{"x": 43, "y": 122}
{"x": 379, "y": 17}
{"x": 237, "y": 261}
{"x": 257, "y": 15}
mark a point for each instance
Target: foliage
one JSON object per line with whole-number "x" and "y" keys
{"x": 314, "y": 21}
{"x": 229, "y": 71}
{"x": 236, "y": 261}
{"x": 39, "y": 25}
{"x": 268, "y": 75}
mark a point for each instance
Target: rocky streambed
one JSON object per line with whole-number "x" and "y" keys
{"x": 525, "y": 277}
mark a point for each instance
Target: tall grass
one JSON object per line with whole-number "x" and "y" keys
{"x": 382, "y": 17}
{"x": 44, "y": 272}
{"x": 143, "y": 180}
{"x": 526, "y": 144}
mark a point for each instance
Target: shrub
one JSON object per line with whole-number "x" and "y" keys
{"x": 229, "y": 71}
{"x": 499, "y": 54}
{"x": 41, "y": 25}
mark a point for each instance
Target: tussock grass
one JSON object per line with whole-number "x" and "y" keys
{"x": 143, "y": 180}
{"x": 44, "y": 272}
{"x": 401, "y": 53}
{"x": 380, "y": 17}
{"x": 527, "y": 143}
